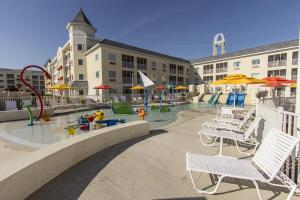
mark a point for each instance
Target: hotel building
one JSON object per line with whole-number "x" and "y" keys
{"x": 86, "y": 61}
{"x": 10, "y": 80}
{"x": 279, "y": 59}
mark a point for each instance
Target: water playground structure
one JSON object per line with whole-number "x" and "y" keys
{"x": 92, "y": 122}
{"x": 42, "y": 115}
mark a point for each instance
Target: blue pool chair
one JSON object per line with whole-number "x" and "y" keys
{"x": 230, "y": 99}
{"x": 240, "y": 99}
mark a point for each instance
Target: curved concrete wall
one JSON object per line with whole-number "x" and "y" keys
{"x": 13, "y": 115}
{"x": 23, "y": 176}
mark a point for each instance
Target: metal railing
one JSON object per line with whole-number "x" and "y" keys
{"x": 219, "y": 70}
{"x": 208, "y": 71}
{"x": 287, "y": 123}
{"x": 287, "y": 103}
{"x": 277, "y": 63}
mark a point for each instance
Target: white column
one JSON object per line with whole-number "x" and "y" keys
{"x": 298, "y": 91}
{"x": 297, "y": 111}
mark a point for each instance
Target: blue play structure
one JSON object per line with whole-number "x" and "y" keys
{"x": 237, "y": 98}
{"x": 111, "y": 122}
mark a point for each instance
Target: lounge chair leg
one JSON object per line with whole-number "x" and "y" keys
{"x": 203, "y": 191}
{"x": 292, "y": 192}
{"x": 257, "y": 190}
{"x": 206, "y": 144}
{"x": 221, "y": 146}
{"x": 238, "y": 148}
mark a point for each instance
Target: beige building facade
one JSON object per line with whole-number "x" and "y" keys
{"x": 279, "y": 59}
{"x": 86, "y": 61}
{"x": 10, "y": 80}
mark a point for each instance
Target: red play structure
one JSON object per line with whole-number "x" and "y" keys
{"x": 47, "y": 75}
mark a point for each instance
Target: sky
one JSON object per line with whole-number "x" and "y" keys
{"x": 32, "y": 30}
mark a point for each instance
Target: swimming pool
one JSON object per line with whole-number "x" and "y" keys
{"x": 43, "y": 133}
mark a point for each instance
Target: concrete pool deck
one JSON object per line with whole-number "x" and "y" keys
{"x": 150, "y": 167}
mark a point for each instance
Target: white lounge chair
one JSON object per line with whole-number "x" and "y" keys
{"x": 230, "y": 123}
{"x": 264, "y": 167}
{"x": 11, "y": 105}
{"x": 233, "y": 120}
{"x": 245, "y": 137}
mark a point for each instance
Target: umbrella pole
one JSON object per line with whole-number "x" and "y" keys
{"x": 145, "y": 100}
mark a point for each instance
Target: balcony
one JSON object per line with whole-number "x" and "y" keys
{"x": 208, "y": 71}
{"x": 295, "y": 61}
{"x": 277, "y": 63}
{"x": 127, "y": 64}
{"x": 221, "y": 70}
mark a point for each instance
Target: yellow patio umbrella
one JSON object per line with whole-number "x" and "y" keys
{"x": 180, "y": 87}
{"x": 60, "y": 87}
{"x": 137, "y": 87}
{"x": 238, "y": 79}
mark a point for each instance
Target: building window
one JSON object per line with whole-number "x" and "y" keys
{"x": 294, "y": 74}
{"x": 172, "y": 68}
{"x": 79, "y": 47}
{"x": 81, "y": 92}
{"x": 97, "y": 74}
{"x": 180, "y": 80}
{"x": 277, "y": 60}
{"x": 112, "y": 58}
{"x": 208, "y": 69}
{"x": 180, "y": 69}
{"x": 81, "y": 77}
{"x": 218, "y": 77}
{"x": 35, "y": 77}
{"x": 127, "y": 61}
{"x": 153, "y": 65}
{"x": 255, "y": 61}
{"x": 127, "y": 76}
{"x": 10, "y": 82}
{"x": 96, "y": 57}
{"x": 80, "y": 62}
{"x": 237, "y": 64}
{"x": 221, "y": 67}
{"x": 277, "y": 73}
{"x": 141, "y": 63}
{"x": 164, "y": 67}
{"x": 112, "y": 74}
{"x": 1, "y": 75}
{"x": 172, "y": 79}
{"x": 295, "y": 58}
{"x": 10, "y": 76}
{"x": 207, "y": 79}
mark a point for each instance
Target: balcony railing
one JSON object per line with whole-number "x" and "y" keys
{"x": 127, "y": 64}
{"x": 220, "y": 70}
{"x": 277, "y": 63}
{"x": 208, "y": 71}
{"x": 295, "y": 61}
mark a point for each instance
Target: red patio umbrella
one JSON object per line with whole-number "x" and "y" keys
{"x": 276, "y": 82}
{"x": 279, "y": 80}
{"x": 103, "y": 87}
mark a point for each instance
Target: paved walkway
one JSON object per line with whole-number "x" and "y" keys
{"x": 151, "y": 167}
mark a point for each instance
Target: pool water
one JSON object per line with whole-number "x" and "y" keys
{"x": 43, "y": 133}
